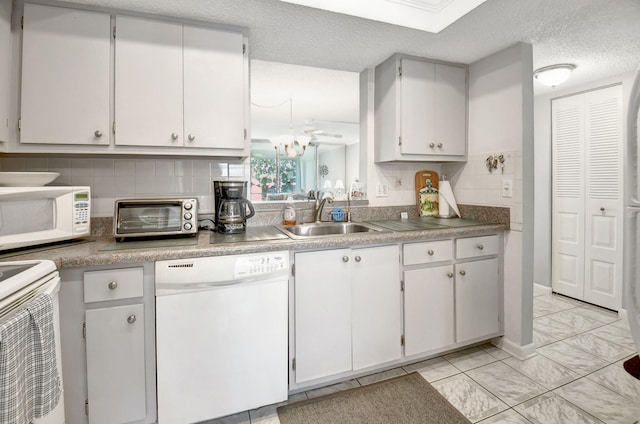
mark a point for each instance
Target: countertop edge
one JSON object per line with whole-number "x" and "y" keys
{"x": 90, "y": 255}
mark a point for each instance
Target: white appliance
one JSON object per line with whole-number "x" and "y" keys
{"x": 36, "y": 215}
{"x": 20, "y": 282}
{"x": 221, "y": 335}
{"x": 632, "y": 215}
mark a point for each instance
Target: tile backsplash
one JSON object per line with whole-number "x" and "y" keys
{"x": 474, "y": 184}
{"x": 115, "y": 177}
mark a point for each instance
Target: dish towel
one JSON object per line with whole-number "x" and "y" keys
{"x": 29, "y": 379}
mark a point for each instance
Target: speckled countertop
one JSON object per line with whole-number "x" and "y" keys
{"x": 97, "y": 252}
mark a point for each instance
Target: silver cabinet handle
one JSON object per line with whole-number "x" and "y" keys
{"x": 174, "y": 136}
{"x": 113, "y": 285}
{"x": 440, "y": 145}
{"x": 358, "y": 258}
{"x": 480, "y": 247}
{"x": 430, "y": 252}
{"x": 191, "y": 137}
{"x": 432, "y": 145}
{"x": 602, "y": 208}
{"x": 345, "y": 259}
{"x": 463, "y": 272}
{"x": 131, "y": 319}
{"x": 98, "y": 133}
{"x": 450, "y": 274}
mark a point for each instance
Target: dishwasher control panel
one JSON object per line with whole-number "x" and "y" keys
{"x": 264, "y": 263}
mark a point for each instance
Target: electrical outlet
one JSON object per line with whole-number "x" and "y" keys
{"x": 507, "y": 187}
{"x": 382, "y": 190}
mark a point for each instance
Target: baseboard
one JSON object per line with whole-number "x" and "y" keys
{"x": 542, "y": 287}
{"x": 622, "y": 314}
{"x": 514, "y": 349}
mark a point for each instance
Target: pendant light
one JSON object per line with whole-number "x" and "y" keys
{"x": 294, "y": 146}
{"x": 555, "y": 74}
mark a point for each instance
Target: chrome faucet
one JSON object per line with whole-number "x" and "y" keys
{"x": 320, "y": 200}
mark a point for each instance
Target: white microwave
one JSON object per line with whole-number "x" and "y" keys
{"x": 37, "y": 215}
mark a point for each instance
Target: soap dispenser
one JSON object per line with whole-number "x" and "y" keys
{"x": 289, "y": 212}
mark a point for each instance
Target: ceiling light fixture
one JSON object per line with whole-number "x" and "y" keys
{"x": 290, "y": 141}
{"x": 555, "y": 74}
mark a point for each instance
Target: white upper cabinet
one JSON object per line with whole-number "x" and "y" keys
{"x": 65, "y": 76}
{"x": 179, "y": 85}
{"x": 5, "y": 70}
{"x": 420, "y": 111}
{"x": 214, "y": 88}
{"x": 148, "y": 82}
{"x": 93, "y": 82}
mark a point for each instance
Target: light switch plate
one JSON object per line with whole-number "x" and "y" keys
{"x": 507, "y": 187}
{"x": 382, "y": 190}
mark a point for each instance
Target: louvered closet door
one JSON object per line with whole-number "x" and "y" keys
{"x": 604, "y": 208}
{"x": 568, "y": 196}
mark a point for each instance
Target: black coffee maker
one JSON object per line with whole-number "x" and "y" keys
{"x": 231, "y": 206}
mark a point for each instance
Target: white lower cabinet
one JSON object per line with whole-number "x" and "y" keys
{"x": 428, "y": 309}
{"x": 455, "y": 300}
{"x": 115, "y": 364}
{"x": 347, "y": 311}
{"x": 477, "y": 299}
{"x": 107, "y": 323}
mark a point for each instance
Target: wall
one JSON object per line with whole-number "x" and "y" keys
{"x": 542, "y": 223}
{"x": 501, "y": 121}
{"x": 122, "y": 177}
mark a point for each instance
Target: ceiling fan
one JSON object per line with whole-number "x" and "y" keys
{"x": 310, "y": 129}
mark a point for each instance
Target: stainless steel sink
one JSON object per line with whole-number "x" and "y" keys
{"x": 320, "y": 229}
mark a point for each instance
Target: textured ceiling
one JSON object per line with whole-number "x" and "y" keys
{"x": 602, "y": 37}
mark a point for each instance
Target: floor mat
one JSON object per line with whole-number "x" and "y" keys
{"x": 632, "y": 366}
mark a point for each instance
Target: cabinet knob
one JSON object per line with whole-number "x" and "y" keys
{"x": 174, "y": 136}
{"x": 440, "y": 145}
{"x": 358, "y": 258}
{"x": 131, "y": 319}
{"x": 113, "y": 285}
{"x": 191, "y": 137}
{"x": 463, "y": 272}
{"x": 98, "y": 133}
{"x": 430, "y": 252}
{"x": 601, "y": 208}
{"x": 480, "y": 247}
{"x": 345, "y": 259}
{"x": 432, "y": 145}
{"x": 450, "y": 274}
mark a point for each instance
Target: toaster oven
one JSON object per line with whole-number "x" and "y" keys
{"x": 155, "y": 217}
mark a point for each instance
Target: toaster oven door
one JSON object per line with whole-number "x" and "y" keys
{"x": 142, "y": 218}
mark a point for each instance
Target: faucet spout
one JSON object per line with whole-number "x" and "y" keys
{"x": 319, "y": 205}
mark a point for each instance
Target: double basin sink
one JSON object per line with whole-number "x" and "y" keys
{"x": 319, "y": 229}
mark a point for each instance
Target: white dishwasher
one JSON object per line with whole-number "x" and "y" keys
{"x": 221, "y": 335}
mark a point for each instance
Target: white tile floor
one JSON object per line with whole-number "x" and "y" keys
{"x": 577, "y": 376}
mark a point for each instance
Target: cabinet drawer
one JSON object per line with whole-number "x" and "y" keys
{"x": 477, "y": 246}
{"x": 112, "y": 284}
{"x": 427, "y": 252}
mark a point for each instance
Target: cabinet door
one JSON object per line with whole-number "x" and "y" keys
{"x": 65, "y": 76}
{"x": 322, "y": 314}
{"x": 428, "y": 309}
{"x": 214, "y": 88}
{"x": 148, "y": 82}
{"x": 5, "y": 68}
{"x": 477, "y": 299}
{"x": 376, "y": 302}
{"x": 417, "y": 114}
{"x": 450, "y": 111}
{"x": 115, "y": 364}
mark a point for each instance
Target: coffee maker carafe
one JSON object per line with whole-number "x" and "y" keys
{"x": 231, "y": 206}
